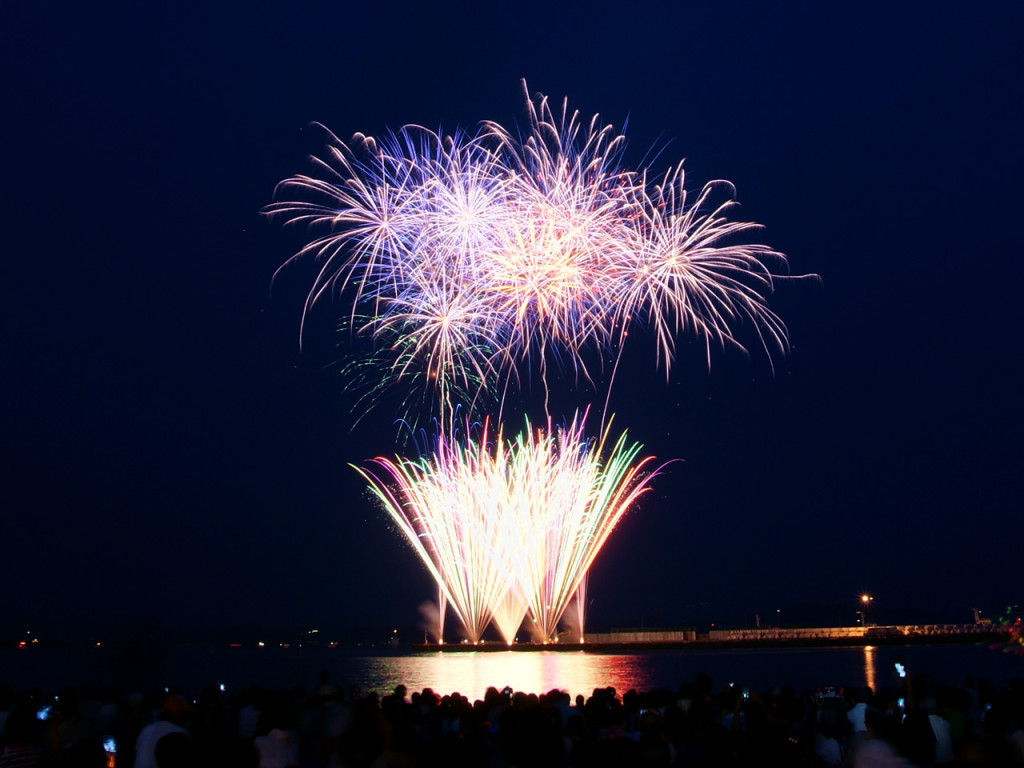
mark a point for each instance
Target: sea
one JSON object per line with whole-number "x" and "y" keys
{"x": 193, "y": 667}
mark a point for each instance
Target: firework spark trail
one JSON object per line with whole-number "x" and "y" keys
{"x": 444, "y": 506}
{"x": 573, "y": 501}
{"x": 469, "y": 254}
{"x": 510, "y": 528}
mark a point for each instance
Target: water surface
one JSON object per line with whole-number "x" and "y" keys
{"x": 470, "y": 673}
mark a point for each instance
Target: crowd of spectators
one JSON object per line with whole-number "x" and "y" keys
{"x": 326, "y": 726}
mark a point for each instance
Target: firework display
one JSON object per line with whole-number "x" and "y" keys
{"x": 472, "y": 262}
{"x": 471, "y": 258}
{"x": 509, "y": 529}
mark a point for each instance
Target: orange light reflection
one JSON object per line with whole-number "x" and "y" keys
{"x": 471, "y": 673}
{"x": 869, "y": 667}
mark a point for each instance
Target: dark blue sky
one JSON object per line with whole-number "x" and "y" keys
{"x": 168, "y": 451}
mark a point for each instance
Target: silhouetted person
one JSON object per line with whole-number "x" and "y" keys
{"x": 23, "y": 749}
{"x": 174, "y": 715}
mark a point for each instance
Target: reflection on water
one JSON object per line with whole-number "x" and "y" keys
{"x": 472, "y": 673}
{"x": 869, "y": 667}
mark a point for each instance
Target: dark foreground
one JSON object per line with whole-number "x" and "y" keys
{"x": 698, "y": 724}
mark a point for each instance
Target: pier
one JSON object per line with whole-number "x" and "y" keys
{"x": 644, "y": 639}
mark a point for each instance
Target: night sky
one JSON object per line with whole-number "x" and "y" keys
{"x": 169, "y": 451}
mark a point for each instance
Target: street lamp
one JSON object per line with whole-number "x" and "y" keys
{"x": 865, "y": 602}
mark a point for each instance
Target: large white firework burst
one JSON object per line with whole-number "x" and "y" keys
{"x": 465, "y": 256}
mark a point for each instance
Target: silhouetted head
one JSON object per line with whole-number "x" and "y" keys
{"x": 175, "y": 709}
{"x": 21, "y": 726}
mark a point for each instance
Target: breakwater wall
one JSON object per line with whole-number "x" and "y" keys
{"x": 642, "y": 636}
{"x": 891, "y": 632}
{"x": 628, "y": 640}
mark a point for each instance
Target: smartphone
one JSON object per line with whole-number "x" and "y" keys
{"x": 900, "y": 667}
{"x": 43, "y": 713}
{"x": 746, "y": 694}
{"x": 901, "y": 703}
